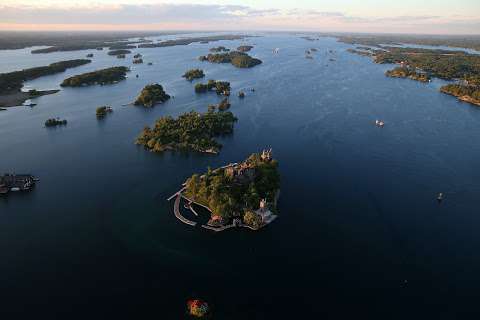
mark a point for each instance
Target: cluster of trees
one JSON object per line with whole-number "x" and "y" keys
{"x": 14, "y": 80}
{"x": 471, "y": 92}
{"x": 238, "y": 59}
{"x": 220, "y": 87}
{"x": 438, "y": 63}
{"x": 190, "y": 131}
{"x": 406, "y": 72}
{"x": 219, "y": 49}
{"x": 119, "y": 52}
{"x": 103, "y": 76}
{"x": 228, "y": 198}
{"x": 194, "y": 74}
{"x": 151, "y": 95}
{"x": 55, "y": 122}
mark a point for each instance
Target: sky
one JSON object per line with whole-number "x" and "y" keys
{"x": 378, "y": 16}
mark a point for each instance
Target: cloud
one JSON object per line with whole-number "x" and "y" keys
{"x": 126, "y": 13}
{"x": 222, "y": 17}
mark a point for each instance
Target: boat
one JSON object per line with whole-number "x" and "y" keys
{"x": 440, "y": 197}
{"x": 15, "y": 182}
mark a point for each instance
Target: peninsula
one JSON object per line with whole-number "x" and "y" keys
{"x": 151, "y": 95}
{"x": 236, "y": 58}
{"x": 191, "y": 131}
{"x": 101, "y": 77}
{"x": 237, "y": 195}
{"x": 11, "y": 83}
{"x": 408, "y": 72}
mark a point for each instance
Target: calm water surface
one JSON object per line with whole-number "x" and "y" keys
{"x": 360, "y": 233}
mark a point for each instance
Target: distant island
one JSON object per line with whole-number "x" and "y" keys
{"x": 237, "y": 195}
{"x": 119, "y": 52}
{"x": 220, "y": 87}
{"x": 238, "y": 59}
{"x": 192, "y": 74}
{"x": 101, "y": 77}
{"x": 191, "y": 131}
{"x": 55, "y": 122}
{"x": 219, "y": 49}
{"x": 187, "y": 41}
{"x": 11, "y": 83}
{"x": 151, "y": 95}
{"x": 244, "y": 48}
{"x": 422, "y": 64}
{"x": 408, "y": 72}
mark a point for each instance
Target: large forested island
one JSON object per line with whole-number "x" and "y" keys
{"x": 238, "y": 59}
{"x": 151, "y": 95}
{"x": 102, "y": 77}
{"x": 191, "y": 131}
{"x": 11, "y": 83}
{"x": 240, "y": 194}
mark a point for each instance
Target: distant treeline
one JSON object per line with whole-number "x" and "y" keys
{"x": 14, "y": 80}
{"x": 470, "y": 42}
{"x": 187, "y": 41}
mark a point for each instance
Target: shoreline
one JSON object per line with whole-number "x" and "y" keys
{"x": 16, "y": 99}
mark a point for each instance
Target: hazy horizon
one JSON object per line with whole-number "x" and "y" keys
{"x": 370, "y": 16}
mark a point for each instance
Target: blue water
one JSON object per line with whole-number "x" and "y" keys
{"x": 360, "y": 233}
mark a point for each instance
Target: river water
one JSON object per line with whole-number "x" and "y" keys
{"x": 360, "y": 233}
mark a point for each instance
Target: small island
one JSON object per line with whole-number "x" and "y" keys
{"x": 151, "y": 95}
{"x": 191, "y": 131}
{"x": 137, "y": 61}
{"x": 236, "y": 58}
{"x": 219, "y": 49}
{"x": 408, "y": 72}
{"x": 55, "y": 122}
{"x": 220, "y": 87}
{"x": 236, "y": 195}
{"x": 101, "y": 112}
{"x": 244, "y": 48}
{"x": 102, "y": 77}
{"x": 192, "y": 74}
{"x": 119, "y": 52}
{"x": 224, "y": 105}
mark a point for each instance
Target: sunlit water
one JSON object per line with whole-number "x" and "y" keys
{"x": 359, "y": 233}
